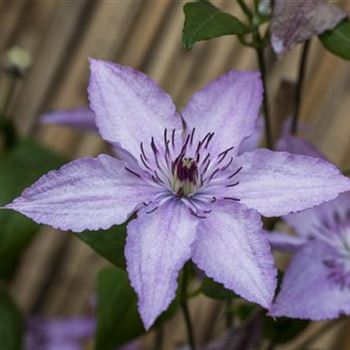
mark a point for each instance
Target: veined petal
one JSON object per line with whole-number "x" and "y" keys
{"x": 233, "y": 250}
{"x": 157, "y": 246}
{"x": 79, "y": 118}
{"x": 129, "y": 106}
{"x": 228, "y": 106}
{"x": 284, "y": 242}
{"x": 307, "y": 221}
{"x": 279, "y": 183}
{"x": 307, "y": 290}
{"x": 86, "y": 194}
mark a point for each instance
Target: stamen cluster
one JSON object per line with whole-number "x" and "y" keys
{"x": 335, "y": 232}
{"x": 187, "y": 169}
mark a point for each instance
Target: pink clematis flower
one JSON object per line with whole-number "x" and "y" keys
{"x": 69, "y": 333}
{"x": 80, "y": 118}
{"x": 59, "y": 334}
{"x": 195, "y": 197}
{"x": 316, "y": 284}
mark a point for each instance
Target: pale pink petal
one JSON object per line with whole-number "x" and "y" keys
{"x": 130, "y": 107}
{"x": 252, "y": 142}
{"x": 296, "y": 21}
{"x": 296, "y": 145}
{"x": 79, "y": 118}
{"x": 233, "y": 250}
{"x": 308, "y": 291}
{"x": 228, "y": 106}
{"x": 284, "y": 242}
{"x": 308, "y": 221}
{"x": 90, "y": 193}
{"x": 158, "y": 244}
{"x": 279, "y": 183}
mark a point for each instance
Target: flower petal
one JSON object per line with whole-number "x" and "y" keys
{"x": 80, "y": 118}
{"x": 307, "y": 221}
{"x": 228, "y": 106}
{"x": 296, "y": 145}
{"x": 252, "y": 142}
{"x": 278, "y": 183}
{"x": 307, "y": 291}
{"x": 296, "y": 21}
{"x": 157, "y": 246}
{"x": 284, "y": 242}
{"x": 70, "y": 328}
{"x": 90, "y": 193}
{"x": 129, "y": 106}
{"x": 233, "y": 250}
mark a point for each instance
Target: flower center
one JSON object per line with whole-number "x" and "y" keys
{"x": 335, "y": 232}
{"x": 339, "y": 271}
{"x": 185, "y": 176}
{"x": 187, "y": 170}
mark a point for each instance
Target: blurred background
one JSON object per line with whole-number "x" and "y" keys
{"x": 57, "y": 274}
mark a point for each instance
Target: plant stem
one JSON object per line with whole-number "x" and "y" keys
{"x": 158, "y": 343}
{"x": 228, "y": 313}
{"x": 10, "y": 88}
{"x": 245, "y": 9}
{"x": 258, "y": 44}
{"x": 271, "y": 346}
{"x": 262, "y": 67}
{"x": 185, "y": 310}
{"x": 299, "y": 87}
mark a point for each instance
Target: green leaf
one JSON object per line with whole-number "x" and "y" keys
{"x": 215, "y": 290}
{"x": 337, "y": 40}
{"x": 204, "y": 21}
{"x": 11, "y": 324}
{"x": 118, "y": 320}
{"x": 109, "y": 244}
{"x": 8, "y": 134}
{"x": 283, "y": 329}
{"x": 243, "y": 311}
{"x": 19, "y": 168}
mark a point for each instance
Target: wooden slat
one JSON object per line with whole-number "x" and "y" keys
{"x": 147, "y": 35}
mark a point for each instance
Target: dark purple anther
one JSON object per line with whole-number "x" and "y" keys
{"x": 186, "y": 170}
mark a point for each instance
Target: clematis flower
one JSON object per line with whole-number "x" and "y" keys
{"x": 80, "y": 118}
{"x": 316, "y": 284}
{"x": 294, "y": 22}
{"x": 195, "y": 197}
{"x": 83, "y": 118}
{"x": 59, "y": 334}
{"x": 63, "y": 334}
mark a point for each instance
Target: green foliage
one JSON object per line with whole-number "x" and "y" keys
{"x": 118, "y": 320}
{"x": 11, "y": 324}
{"x": 109, "y": 244}
{"x": 283, "y": 329}
{"x": 8, "y": 135}
{"x": 337, "y": 40}
{"x": 204, "y": 21}
{"x": 215, "y": 290}
{"x": 243, "y": 310}
{"x": 117, "y": 317}
{"x": 19, "y": 168}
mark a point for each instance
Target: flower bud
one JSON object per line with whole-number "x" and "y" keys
{"x": 16, "y": 61}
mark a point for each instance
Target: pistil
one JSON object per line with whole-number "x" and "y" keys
{"x": 185, "y": 177}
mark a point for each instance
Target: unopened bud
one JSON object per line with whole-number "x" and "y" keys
{"x": 264, "y": 7}
{"x": 16, "y": 61}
